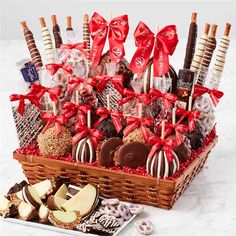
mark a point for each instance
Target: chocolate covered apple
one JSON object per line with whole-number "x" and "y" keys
{"x": 27, "y": 211}
{"x": 31, "y": 196}
{"x": 7, "y": 208}
{"x": 43, "y": 213}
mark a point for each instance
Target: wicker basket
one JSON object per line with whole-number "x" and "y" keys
{"x": 112, "y": 183}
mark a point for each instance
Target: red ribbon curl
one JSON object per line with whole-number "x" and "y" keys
{"x": 53, "y": 68}
{"x": 79, "y": 46}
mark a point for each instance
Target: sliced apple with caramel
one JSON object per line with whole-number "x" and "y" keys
{"x": 83, "y": 201}
{"x": 31, "y": 196}
{"x": 7, "y": 208}
{"x": 43, "y": 214}
{"x": 61, "y": 192}
{"x": 55, "y": 202}
{"x": 66, "y": 220}
{"x": 45, "y": 188}
{"x": 27, "y": 211}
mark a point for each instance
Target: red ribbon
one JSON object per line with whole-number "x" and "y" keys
{"x": 192, "y": 115}
{"x": 179, "y": 129}
{"x": 54, "y": 93}
{"x": 79, "y": 46}
{"x": 71, "y": 108}
{"x": 74, "y": 82}
{"x": 115, "y": 117}
{"x": 56, "y": 119}
{"x": 83, "y": 131}
{"x": 116, "y": 80}
{"x": 215, "y": 95}
{"x": 130, "y": 95}
{"x": 167, "y": 98}
{"x": 32, "y": 97}
{"x": 117, "y": 31}
{"x": 164, "y": 44}
{"x": 167, "y": 144}
{"x": 53, "y": 68}
{"x": 135, "y": 122}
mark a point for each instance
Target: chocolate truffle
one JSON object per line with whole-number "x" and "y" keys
{"x": 132, "y": 154}
{"x": 84, "y": 151}
{"x": 107, "y": 150}
{"x": 51, "y": 144}
{"x": 158, "y": 166}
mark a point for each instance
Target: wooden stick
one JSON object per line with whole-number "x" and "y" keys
{"x": 54, "y": 107}
{"x": 174, "y": 115}
{"x": 108, "y": 102}
{"x": 77, "y": 97}
{"x": 140, "y": 110}
{"x": 190, "y": 101}
{"x": 163, "y": 129}
{"x": 89, "y": 118}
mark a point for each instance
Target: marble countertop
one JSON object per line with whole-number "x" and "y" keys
{"x": 208, "y": 205}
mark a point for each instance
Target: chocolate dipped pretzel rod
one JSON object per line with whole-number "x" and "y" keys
{"x": 191, "y": 44}
{"x": 56, "y": 32}
{"x": 86, "y": 32}
{"x": 69, "y": 30}
{"x": 207, "y": 56}
{"x": 197, "y": 59}
{"x": 47, "y": 42}
{"x": 34, "y": 52}
{"x": 220, "y": 58}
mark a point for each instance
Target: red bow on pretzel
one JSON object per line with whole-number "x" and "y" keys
{"x": 117, "y": 31}
{"x": 116, "y": 80}
{"x": 94, "y": 134}
{"x": 192, "y": 115}
{"x": 167, "y": 98}
{"x": 167, "y": 144}
{"x": 79, "y": 46}
{"x": 71, "y": 108}
{"x": 215, "y": 95}
{"x": 32, "y": 97}
{"x": 135, "y": 122}
{"x": 164, "y": 44}
{"x": 58, "y": 120}
{"x": 178, "y": 128}
{"x": 130, "y": 95}
{"x": 53, "y": 68}
{"x": 54, "y": 93}
{"x": 74, "y": 82}
{"x": 116, "y": 117}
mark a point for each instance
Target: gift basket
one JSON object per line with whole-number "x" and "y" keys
{"x": 139, "y": 130}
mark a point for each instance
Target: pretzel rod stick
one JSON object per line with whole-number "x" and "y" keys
{"x": 220, "y": 57}
{"x": 191, "y": 44}
{"x": 207, "y": 56}
{"x": 33, "y": 50}
{"x": 89, "y": 118}
{"x": 86, "y": 33}
{"x": 197, "y": 59}
{"x": 69, "y": 23}
{"x": 47, "y": 42}
{"x": 70, "y": 37}
{"x": 56, "y": 32}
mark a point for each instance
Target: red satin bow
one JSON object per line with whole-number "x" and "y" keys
{"x": 53, "y": 68}
{"x": 192, "y": 115}
{"x": 78, "y": 46}
{"x": 215, "y": 95}
{"x": 54, "y": 93}
{"x": 51, "y": 118}
{"x": 115, "y": 117}
{"x": 94, "y": 134}
{"x": 32, "y": 97}
{"x": 117, "y": 31}
{"x": 179, "y": 129}
{"x": 74, "y": 82}
{"x": 167, "y": 98}
{"x": 135, "y": 122}
{"x": 164, "y": 44}
{"x": 130, "y": 95}
{"x": 71, "y": 108}
{"x": 167, "y": 144}
{"x": 116, "y": 80}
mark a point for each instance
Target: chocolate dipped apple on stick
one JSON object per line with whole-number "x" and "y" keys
{"x": 34, "y": 52}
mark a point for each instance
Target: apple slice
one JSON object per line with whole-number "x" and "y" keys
{"x": 43, "y": 214}
{"x": 61, "y": 192}
{"x": 27, "y": 211}
{"x": 55, "y": 202}
{"x": 45, "y": 188}
{"x": 31, "y": 196}
{"x": 7, "y": 208}
{"x": 83, "y": 201}
{"x": 66, "y": 220}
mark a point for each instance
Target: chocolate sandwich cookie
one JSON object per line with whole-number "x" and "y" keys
{"x": 132, "y": 154}
{"x": 84, "y": 151}
{"x": 106, "y": 152}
